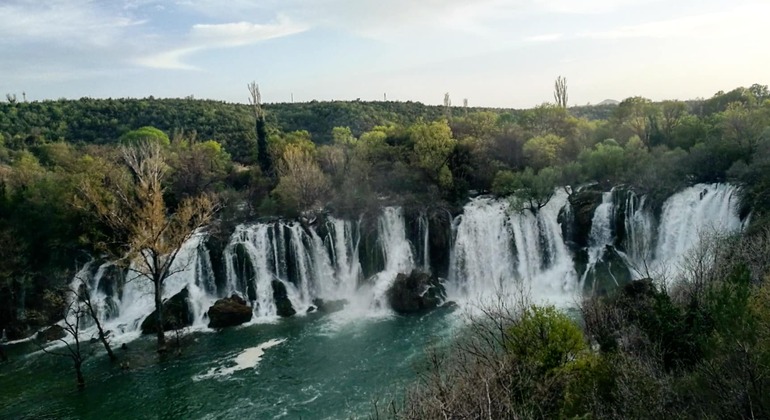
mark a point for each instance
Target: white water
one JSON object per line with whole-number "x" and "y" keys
{"x": 123, "y": 312}
{"x": 703, "y": 209}
{"x": 640, "y": 232}
{"x": 495, "y": 251}
{"x": 247, "y": 359}
{"x": 500, "y": 252}
{"x": 601, "y": 234}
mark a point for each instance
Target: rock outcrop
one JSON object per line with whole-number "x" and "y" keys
{"x": 177, "y": 313}
{"x": 229, "y": 312}
{"x": 327, "y": 306}
{"x": 282, "y": 303}
{"x": 416, "y": 292}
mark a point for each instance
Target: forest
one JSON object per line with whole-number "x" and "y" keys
{"x": 645, "y": 350}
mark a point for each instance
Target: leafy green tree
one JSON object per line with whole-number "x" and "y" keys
{"x": 546, "y": 338}
{"x": 606, "y": 161}
{"x": 635, "y": 116}
{"x": 527, "y": 189}
{"x": 543, "y": 151}
{"x": 433, "y": 146}
{"x": 135, "y": 137}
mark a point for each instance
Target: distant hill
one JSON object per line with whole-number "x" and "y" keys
{"x": 608, "y": 102}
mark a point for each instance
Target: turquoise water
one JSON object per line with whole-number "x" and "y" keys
{"x": 327, "y": 367}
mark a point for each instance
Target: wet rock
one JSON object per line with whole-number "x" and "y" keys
{"x": 52, "y": 333}
{"x": 229, "y": 312}
{"x": 281, "y": 298}
{"x": 415, "y": 292}
{"x": 177, "y": 313}
{"x": 329, "y": 306}
{"x": 584, "y": 204}
{"x": 245, "y": 271}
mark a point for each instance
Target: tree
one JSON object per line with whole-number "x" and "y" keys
{"x": 636, "y": 115}
{"x": 744, "y": 126}
{"x": 74, "y": 315}
{"x": 433, "y": 146}
{"x": 560, "y": 92}
{"x": 264, "y": 158}
{"x": 527, "y": 190}
{"x": 543, "y": 151}
{"x": 447, "y": 106}
{"x": 82, "y": 295}
{"x": 148, "y": 235}
{"x": 145, "y": 134}
{"x": 671, "y": 116}
{"x": 302, "y": 183}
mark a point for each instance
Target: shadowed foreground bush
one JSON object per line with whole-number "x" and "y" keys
{"x": 699, "y": 349}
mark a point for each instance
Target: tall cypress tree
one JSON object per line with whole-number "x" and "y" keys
{"x": 263, "y": 154}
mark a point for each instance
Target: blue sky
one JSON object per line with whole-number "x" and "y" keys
{"x": 502, "y": 53}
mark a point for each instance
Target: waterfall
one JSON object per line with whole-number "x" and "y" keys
{"x": 639, "y": 226}
{"x": 499, "y": 251}
{"x": 601, "y": 234}
{"x": 493, "y": 250}
{"x": 396, "y": 249}
{"x": 702, "y": 209}
{"x": 122, "y": 303}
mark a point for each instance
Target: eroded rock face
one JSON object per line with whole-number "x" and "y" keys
{"x": 177, "y": 313}
{"x": 282, "y": 302}
{"x": 416, "y": 292}
{"x": 229, "y": 312}
{"x": 584, "y": 204}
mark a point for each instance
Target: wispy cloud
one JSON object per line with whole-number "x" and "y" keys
{"x": 71, "y": 22}
{"x": 212, "y": 36}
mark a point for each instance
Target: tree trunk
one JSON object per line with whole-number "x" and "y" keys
{"x": 79, "y": 373}
{"x": 159, "y": 310}
{"x": 99, "y": 328}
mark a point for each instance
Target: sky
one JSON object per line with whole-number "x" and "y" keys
{"x": 495, "y": 53}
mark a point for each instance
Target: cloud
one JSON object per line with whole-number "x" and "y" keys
{"x": 730, "y": 23}
{"x": 212, "y": 36}
{"x": 72, "y": 22}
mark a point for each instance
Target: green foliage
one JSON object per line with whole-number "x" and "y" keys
{"x": 543, "y": 151}
{"x": 545, "y": 337}
{"x": 143, "y": 134}
{"x": 527, "y": 189}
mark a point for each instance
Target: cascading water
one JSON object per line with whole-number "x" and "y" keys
{"x": 396, "y": 249}
{"x": 499, "y": 251}
{"x": 122, "y": 303}
{"x": 639, "y": 225}
{"x": 495, "y": 250}
{"x": 601, "y": 234}
{"x": 702, "y": 209}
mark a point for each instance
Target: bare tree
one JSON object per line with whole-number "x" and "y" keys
{"x": 301, "y": 180}
{"x": 82, "y": 295}
{"x": 71, "y": 340}
{"x": 150, "y": 235}
{"x": 560, "y": 91}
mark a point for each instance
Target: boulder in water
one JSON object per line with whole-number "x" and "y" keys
{"x": 282, "y": 302}
{"x": 415, "y": 293}
{"x": 329, "y": 306}
{"x": 177, "y": 313}
{"x": 229, "y": 312}
{"x": 52, "y": 333}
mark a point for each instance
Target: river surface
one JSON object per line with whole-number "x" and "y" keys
{"x": 311, "y": 367}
